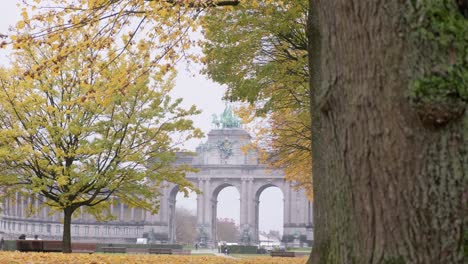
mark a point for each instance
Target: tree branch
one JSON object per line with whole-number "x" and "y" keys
{"x": 209, "y": 3}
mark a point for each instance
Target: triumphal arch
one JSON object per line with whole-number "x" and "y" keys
{"x": 222, "y": 161}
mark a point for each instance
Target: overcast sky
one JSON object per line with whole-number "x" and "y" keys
{"x": 207, "y": 96}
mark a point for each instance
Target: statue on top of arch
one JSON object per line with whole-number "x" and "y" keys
{"x": 226, "y": 120}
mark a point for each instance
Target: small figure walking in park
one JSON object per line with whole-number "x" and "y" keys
{"x": 196, "y": 246}
{"x": 2, "y": 243}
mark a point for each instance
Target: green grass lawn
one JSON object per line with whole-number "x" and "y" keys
{"x": 243, "y": 256}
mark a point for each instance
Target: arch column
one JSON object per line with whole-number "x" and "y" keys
{"x": 214, "y": 213}
{"x": 200, "y": 199}
{"x": 257, "y": 218}
{"x": 171, "y": 219}
{"x": 249, "y": 216}
{"x": 157, "y": 227}
{"x": 298, "y": 227}
{"x": 205, "y": 213}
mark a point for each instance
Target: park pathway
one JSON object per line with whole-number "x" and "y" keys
{"x": 207, "y": 251}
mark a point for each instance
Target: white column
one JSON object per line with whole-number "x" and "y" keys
{"x": 122, "y": 211}
{"x": 158, "y": 216}
{"x": 21, "y": 214}
{"x": 210, "y": 212}
{"x": 16, "y": 204}
{"x": 163, "y": 215}
{"x": 28, "y": 205}
{"x": 214, "y": 217}
{"x": 200, "y": 199}
{"x": 287, "y": 204}
{"x": 256, "y": 226}
{"x": 294, "y": 211}
{"x": 251, "y": 203}
{"x": 305, "y": 211}
{"x": 44, "y": 212}
{"x": 7, "y": 207}
{"x": 3, "y": 209}
{"x": 243, "y": 203}
{"x": 132, "y": 214}
{"x": 112, "y": 206}
{"x": 207, "y": 203}
{"x": 170, "y": 226}
{"x": 36, "y": 205}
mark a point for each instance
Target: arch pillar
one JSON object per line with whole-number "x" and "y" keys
{"x": 249, "y": 216}
{"x": 298, "y": 225}
{"x": 214, "y": 213}
{"x": 171, "y": 220}
{"x": 158, "y": 228}
{"x": 205, "y": 213}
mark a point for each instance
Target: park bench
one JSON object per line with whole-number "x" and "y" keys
{"x": 137, "y": 250}
{"x": 51, "y": 246}
{"x": 29, "y": 245}
{"x": 288, "y": 254}
{"x": 39, "y": 245}
{"x": 114, "y": 250}
{"x": 83, "y": 247}
{"x": 167, "y": 251}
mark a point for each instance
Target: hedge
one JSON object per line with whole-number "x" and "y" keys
{"x": 237, "y": 249}
{"x": 10, "y": 245}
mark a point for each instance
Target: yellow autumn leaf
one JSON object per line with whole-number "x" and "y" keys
{"x": 78, "y": 258}
{"x": 62, "y": 180}
{"x": 20, "y": 24}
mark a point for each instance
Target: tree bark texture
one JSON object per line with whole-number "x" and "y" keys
{"x": 66, "y": 241}
{"x": 387, "y": 188}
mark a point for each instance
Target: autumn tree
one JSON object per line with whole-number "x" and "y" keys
{"x": 186, "y": 226}
{"x": 78, "y": 128}
{"x": 259, "y": 51}
{"x": 389, "y": 86}
{"x": 227, "y": 230}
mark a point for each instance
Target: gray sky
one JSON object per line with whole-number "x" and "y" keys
{"x": 197, "y": 90}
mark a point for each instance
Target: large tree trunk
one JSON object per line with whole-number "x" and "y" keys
{"x": 66, "y": 241}
{"x": 387, "y": 188}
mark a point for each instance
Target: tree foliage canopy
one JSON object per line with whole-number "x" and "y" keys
{"x": 81, "y": 128}
{"x": 260, "y": 52}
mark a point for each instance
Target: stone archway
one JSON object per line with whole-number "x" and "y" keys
{"x": 243, "y": 171}
{"x": 278, "y": 185}
{"x": 214, "y": 207}
{"x": 172, "y": 214}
